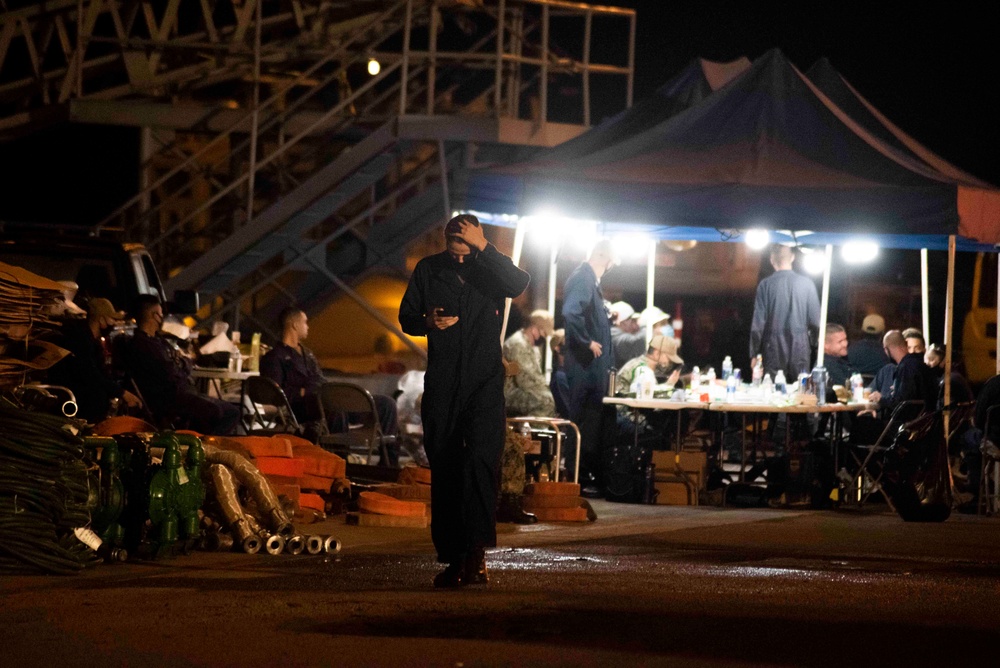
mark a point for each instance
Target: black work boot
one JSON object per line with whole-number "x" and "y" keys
{"x": 475, "y": 567}
{"x": 451, "y": 577}
{"x": 511, "y": 510}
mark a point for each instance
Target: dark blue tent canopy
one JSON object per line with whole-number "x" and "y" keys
{"x": 769, "y": 150}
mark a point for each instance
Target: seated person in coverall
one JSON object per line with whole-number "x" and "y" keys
{"x": 456, "y": 299}
{"x": 295, "y": 369}
{"x": 164, "y": 378}
{"x": 85, "y": 371}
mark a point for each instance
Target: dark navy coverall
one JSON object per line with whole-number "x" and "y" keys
{"x": 463, "y": 405}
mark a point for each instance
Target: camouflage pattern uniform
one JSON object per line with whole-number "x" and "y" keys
{"x": 527, "y": 393}
{"x": 512, "y": 476}
{"x": 627, "y": 374}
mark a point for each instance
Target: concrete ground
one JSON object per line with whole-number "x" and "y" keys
{"x": 644, "y": 585}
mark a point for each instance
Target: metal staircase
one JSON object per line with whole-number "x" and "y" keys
{"x": 275, "y": 169}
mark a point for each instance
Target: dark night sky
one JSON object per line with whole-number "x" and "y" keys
{"x": 932, "y": 73}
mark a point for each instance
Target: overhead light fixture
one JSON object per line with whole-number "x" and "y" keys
{"x": 757, "y": 239}
{"x": 374, "y": 67}
{"x": 814, "y": 262}
{"x": 631, "y": 246}
{"x": 859, "y": 252}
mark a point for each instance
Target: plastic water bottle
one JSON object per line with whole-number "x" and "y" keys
{"x": 858, "y": 388}
{"x": 731, "y": 388}
{"x": 695, "y": 379}
{"x": 727, "y": 367}
{"x": 779, "y": 383}
{"x": 767, "y": 387}
{"x": 710, "y": 376}
{"x": 757, "y": 375}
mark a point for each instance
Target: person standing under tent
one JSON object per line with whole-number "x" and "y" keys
{"x": 456, "y": 299}
{"x": 588, "y": 357}
{"x": 785, "y": 311}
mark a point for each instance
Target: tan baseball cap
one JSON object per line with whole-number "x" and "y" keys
{"x": 99, "y": 307}
{"x": 667, "y": 345}
{"x": 873, "y": 324}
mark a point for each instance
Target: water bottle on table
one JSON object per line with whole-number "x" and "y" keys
{"x": 727, "y": 367}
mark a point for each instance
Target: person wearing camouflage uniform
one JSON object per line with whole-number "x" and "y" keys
{"x": 526, "y": 394}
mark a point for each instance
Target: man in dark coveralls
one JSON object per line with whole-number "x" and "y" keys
{"x": 785, "y": 310}
{"x": 589, "y": 357}
{"x": 456, "y": 299}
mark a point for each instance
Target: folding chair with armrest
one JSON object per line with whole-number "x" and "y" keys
{"x": 265, "y": 392}
{"x": 869, "y": 471}
{"x": 359, "y": 418}
{"x": 989, "y": 477}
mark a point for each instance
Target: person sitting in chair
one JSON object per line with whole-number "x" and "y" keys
{"x": 296, "y": 370}
{"x": 164, "y": 378}
{"x": 84, "y": 371}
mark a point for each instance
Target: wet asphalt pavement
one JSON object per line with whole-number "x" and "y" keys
{"x": 642, "y": 586}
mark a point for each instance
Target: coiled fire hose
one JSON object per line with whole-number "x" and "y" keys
{"x": 44, "y": 493}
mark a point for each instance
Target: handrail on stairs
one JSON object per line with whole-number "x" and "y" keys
{"x": 266, "y": 104}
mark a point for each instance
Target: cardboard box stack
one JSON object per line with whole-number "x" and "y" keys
{"x": 671, "y": 470}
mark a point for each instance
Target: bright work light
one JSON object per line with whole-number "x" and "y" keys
{"x": 859, "y": 252}
{"x": 757, "y": 239}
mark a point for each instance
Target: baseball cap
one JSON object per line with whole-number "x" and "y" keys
{"x": 873, "y": 324}
{"x": 624, "y": 311}
{"x": 668, "y": 346}
{"x": 651, "y": 316}
{"x": 99, "y": 307}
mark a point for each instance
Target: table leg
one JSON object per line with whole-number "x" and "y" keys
{"x": 743, "y": 446}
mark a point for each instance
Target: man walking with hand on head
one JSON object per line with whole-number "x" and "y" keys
{"x": 456, "y": 299}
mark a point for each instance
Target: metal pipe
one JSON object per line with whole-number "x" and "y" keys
{"x": 296, "y": 544}
{"x": 650, "y": 284}
{"x": 331, "y": 545}
{"x": 587, "y": 28}
{"x": 631, "y": 62}
{"x": 274, "y": 545}
{"x": 925, "y": 307}
{"x": 516, "y": 259}
{"x": 255, "y": 113}
{"x": 498, "y": 74}
{"x": 314, "y": 544}
{"x": 432, "y": 65}
{"x": 443, "y": 166}
{"x": 949, "y": 312}
{"x": 551, "y": 304}
{"x": 407, "y": 26}
{"x": 544, "y": 96}
{"x": 825, "y": 305}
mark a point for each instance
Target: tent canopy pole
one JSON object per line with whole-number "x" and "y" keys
{"x": 824, "y": 306}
